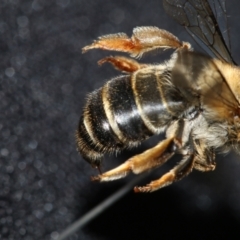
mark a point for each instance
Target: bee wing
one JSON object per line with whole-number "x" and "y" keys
{"x": 199, "y": 20}
{"x": 219, "y": 8}
{"x": 197, "y": 77}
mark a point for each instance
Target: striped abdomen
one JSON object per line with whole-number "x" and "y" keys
{"x": 127, "y": 110}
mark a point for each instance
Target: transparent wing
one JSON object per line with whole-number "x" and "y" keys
{"x": 198, "y": 18}
{"x": 219, "y": 8}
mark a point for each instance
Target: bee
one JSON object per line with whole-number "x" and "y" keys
{"x": 191, "y": 97}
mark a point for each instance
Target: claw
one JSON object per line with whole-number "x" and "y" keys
{"x": 95, "y": 178}
{"x": 142, "y": 189}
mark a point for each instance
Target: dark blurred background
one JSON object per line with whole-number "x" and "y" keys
{"x": 44, "y": 183}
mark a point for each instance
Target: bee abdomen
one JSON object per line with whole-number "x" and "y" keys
{"x": 124, "y": 112}
{"x": 157, "y": 99}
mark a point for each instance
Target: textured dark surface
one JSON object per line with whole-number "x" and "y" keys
{"x": 44, "y": 183}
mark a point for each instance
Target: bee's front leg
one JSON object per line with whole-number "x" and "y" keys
{"x": 205, "y": 157}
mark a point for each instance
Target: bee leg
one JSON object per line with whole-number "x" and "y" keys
{"x": 149, "y": 159}
{"x": 205, "y": 164}
{"x": 175, "y": 174}
{"x": 123, "y": 64}
{"x": 143, "y": 39}
{"x": 205, "y": 160}
{"x": 203, "y": 167}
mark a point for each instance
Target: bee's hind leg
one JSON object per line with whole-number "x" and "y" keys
{"x": 147, "y": 160}
{"x": 123, "y": 64}
{"x": 143, "y": 39}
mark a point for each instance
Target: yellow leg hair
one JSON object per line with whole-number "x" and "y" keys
{"x": 175, "y": 174}
{"x": 149, "y": 159}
